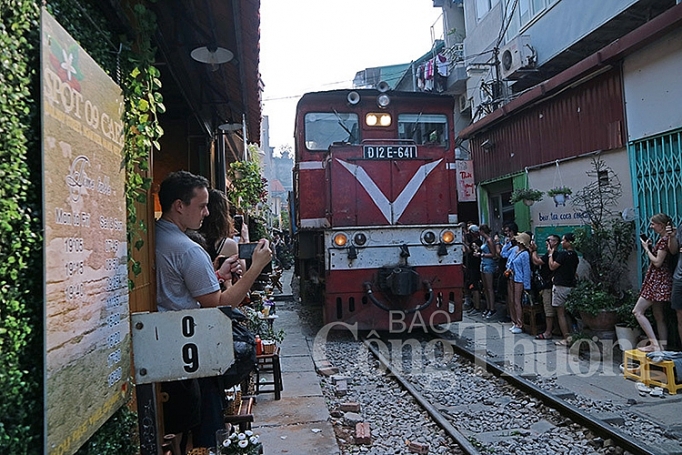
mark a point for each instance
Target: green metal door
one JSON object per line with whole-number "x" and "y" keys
{"x": 656, "y": 179}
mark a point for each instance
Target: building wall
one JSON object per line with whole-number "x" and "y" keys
{"x": 575, "y": 18}
{"x": 545, "y": 215}
{"x": 652, "y": 89}
{"x": 578, "y": 121}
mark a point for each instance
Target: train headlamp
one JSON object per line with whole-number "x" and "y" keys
{"x": 378, "y": 119}
{"x": 340, "y": 239}
{"x": 429, "y": 237}
{"x": 383, "y": 100}
{"x": 447, "y": 237}
{"x": 359, "y": 239}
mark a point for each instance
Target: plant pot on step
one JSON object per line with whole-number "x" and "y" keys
{"x": 627, "y": 336}
{"x": 604, "y": 321}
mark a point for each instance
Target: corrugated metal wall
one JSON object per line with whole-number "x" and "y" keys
{"x": 579, "y": 120}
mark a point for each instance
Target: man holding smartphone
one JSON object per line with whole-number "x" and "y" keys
{"x": 675, "y": 248}
{"x": 186, "y": 279}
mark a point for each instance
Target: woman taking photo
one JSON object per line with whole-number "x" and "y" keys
{"x": 657, "y": 284}
{"x": 487, "y": 253}
{"x": 520, "y": 278}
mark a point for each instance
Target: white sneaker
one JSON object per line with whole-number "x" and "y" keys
{"x": 516, "y": 330}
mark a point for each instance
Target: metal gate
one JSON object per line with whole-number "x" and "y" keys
{"x": 655, "y": 164}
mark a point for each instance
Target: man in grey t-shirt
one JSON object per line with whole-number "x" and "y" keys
{"x": 184, "y": 272}
{"x": 675, "y": 248}
{"x": 185, "y": 279}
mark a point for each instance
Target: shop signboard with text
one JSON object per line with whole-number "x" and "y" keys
{"x": 466, "y": 186}
{"x": 87, "y": 323}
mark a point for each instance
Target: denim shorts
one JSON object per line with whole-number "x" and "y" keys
{"x": 487, "y": 268}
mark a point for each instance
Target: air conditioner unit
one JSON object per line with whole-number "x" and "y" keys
{"x": 464, "y": 103}
{"x": 516, "y": 56}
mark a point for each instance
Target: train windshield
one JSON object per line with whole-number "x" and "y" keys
{"x": 322, "y": 129}
{"x": 424, "y": 128}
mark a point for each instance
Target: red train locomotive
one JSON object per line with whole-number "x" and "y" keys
{"x": 375, "y": 208}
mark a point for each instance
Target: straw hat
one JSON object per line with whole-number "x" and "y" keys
{"x": 523, "y": 239}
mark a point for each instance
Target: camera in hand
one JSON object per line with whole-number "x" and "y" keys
{"x": 246, "y": 250}
{"x": 643, "y": 237}
{"x": 220, "y": 260}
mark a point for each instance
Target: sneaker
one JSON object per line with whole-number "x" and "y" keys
{"x": 490, "y": 314}
{"x": 485, "y": 314}
{"x": 516, "y": 330}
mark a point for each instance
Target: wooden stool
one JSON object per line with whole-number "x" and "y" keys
{"x": 276, "y": 279}
{"x": 269, "y": 364}
{"x": 244, "y": 415}
{"x": 533, "y": 317}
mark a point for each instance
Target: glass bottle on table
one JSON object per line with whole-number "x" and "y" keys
{"x": 259, "y": 345}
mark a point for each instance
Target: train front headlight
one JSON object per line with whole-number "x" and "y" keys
{"x": 340, "y": 240}
{"x": 360, "y": 239}
{"x": 378, "y": 119}
{"x": 447, "y": 237}
{"x": 429, "y": 237}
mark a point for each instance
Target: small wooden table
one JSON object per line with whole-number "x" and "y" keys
{"x": 244, "y": 415}
{"x": 269, "y": 364}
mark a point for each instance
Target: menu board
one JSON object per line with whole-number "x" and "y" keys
{"x": 87, "y": 358}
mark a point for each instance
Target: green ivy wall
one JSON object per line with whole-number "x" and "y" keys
{"x": 21, "y": 251}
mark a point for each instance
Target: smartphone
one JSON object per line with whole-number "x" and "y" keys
{"x": 246, "y": 250}
{"x": 238, "y": 222}
{"x": 643, "y": 237}
{"x": 221, "y": 260}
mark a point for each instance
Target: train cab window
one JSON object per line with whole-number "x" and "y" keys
{"x": 424, "y": 128}
{"x": 322, "y": 129}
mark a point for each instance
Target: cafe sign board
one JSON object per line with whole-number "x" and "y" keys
{"x": 87, "y": 323}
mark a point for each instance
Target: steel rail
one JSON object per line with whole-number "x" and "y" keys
{"x": 435, "y": 414}
{"x": 597, "y": 425}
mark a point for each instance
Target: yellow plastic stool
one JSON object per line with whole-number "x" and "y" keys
{"x": 635, "y": 356}
{"x": 661, "y": 374}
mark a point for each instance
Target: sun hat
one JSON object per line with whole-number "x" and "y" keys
{"x": 523, "y": 239}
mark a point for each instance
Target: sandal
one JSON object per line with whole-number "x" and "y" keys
{"x": 542, "y": 336}
{"x": 564, "y": 343}
{"x": 649, "y": 348}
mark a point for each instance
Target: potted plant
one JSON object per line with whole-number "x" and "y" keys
{"x": 237, "y": 443}
{"x": 527, "y": 195}
{"x": 606, "y": 240}
{"x": 262, "y": 325}
{"x": 627, "y": 327}
{"x": 596, "y": 306}
{"x": 559, "y": 194}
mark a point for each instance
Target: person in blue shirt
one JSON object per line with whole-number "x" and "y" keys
{"x": 519, "y": 265}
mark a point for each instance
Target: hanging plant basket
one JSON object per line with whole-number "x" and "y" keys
{"x": 560, "y": 194}
{"x": 528, "y": 195}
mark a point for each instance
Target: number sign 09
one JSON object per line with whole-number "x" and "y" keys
{"x": 190, "y": 352}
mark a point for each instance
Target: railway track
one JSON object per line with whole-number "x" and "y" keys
{"x": 473, "y": 406}
{"x": 598, "y": 426}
